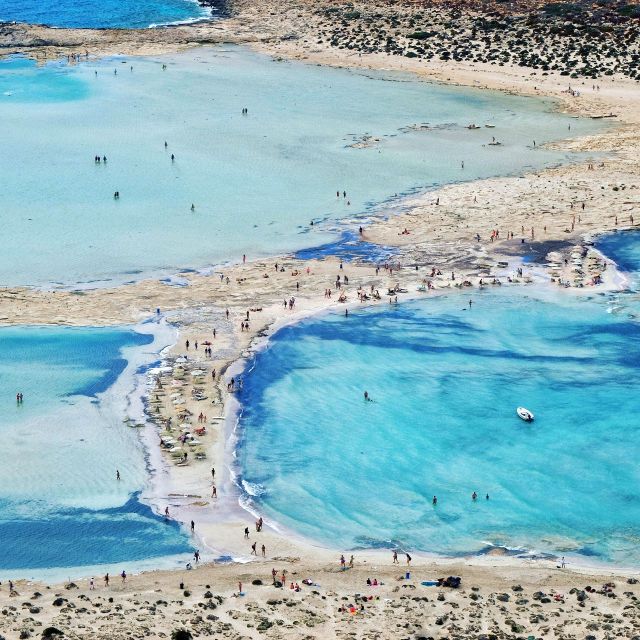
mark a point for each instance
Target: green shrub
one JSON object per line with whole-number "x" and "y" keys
{"x": 420, "y": 35}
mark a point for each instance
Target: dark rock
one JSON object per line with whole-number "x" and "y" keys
{"x": 263, "y": 625}
{"x": 51, "y": 632}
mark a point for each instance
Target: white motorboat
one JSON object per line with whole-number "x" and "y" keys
{"x": 524, "y": 414}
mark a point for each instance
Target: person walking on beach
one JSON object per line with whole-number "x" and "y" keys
{"x": 117, "y": 474}
{"x": 274, "y": 575}
{"x": 351, "y": 561}
{"x": 92, "y": 585}
{"x": 343, "y": 563}
{"x": 166, "y": 512}
{"x": 193, "y": 526}
{"x": 106, "y": 579}
{"x": 264, "y": 551}
{"x": 123, "y": 575}
{"x": 408, "y": 559}
{"x": 246, "y": 533}
{"x": 213, "y": 469}
{"x": 253, "y": 549}
{"x": 395, "y": 557}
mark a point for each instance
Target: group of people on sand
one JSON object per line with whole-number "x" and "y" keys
{"x": 396, "y": 561}
{"x": 343, "y": 563}
{"x": 106, "y": 579}
{"x": 280, "y": 580}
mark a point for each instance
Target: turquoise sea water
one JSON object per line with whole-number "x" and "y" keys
{"x": 624, "y": 248}
{"x": 445, "y": 384}
{"x": 60, "y": 503}
{"x": 256, "y": 181}
{"x": 130, "y": 14}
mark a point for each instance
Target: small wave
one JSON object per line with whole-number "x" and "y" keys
{"x": 253, "y": 489}
{"x": 203, "y": 18}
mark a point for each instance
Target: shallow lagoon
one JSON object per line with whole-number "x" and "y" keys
{"x": 445, "y": 383}
{"x": 60, "y": 503}
{"x": 256, "y": 181}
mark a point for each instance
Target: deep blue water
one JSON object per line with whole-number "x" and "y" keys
{"x": 85, "y": 537}
{"x": 623, "y": 247}
{"x": 349, "y": 248}
{"x": 130, "y": 14}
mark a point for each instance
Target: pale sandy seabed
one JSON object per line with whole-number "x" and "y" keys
{"x": 152, "y": 604}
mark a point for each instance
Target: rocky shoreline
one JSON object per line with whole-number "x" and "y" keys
{"x": 572, "y": 39}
